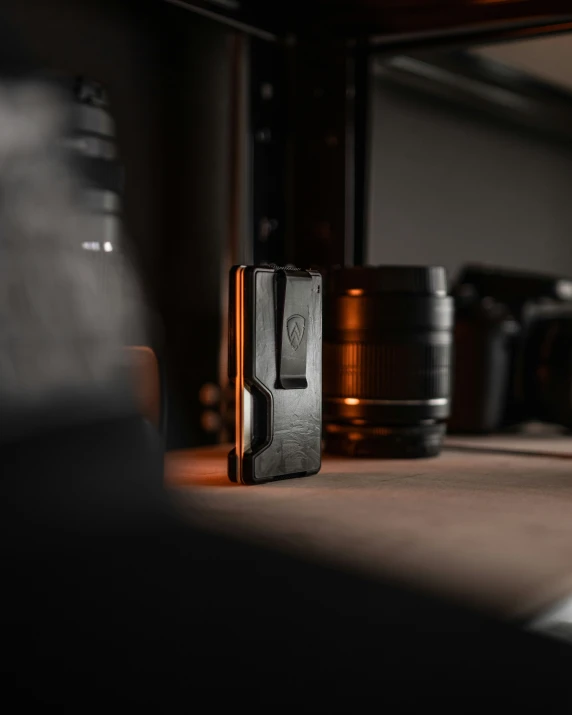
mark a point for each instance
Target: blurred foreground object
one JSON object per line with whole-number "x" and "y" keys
{"x": 65, "y": 317}
{"x": 95, "y": 157}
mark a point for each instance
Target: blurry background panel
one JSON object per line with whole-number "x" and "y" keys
{"x": 383, "y": 19}
{"x": 452, "y": 183}
{"x": 546, "y": 58}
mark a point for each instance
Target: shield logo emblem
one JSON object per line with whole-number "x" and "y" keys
{"x": 295, "y": 329}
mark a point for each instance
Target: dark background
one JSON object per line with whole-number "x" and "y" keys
{"x": 217, "y": 174}
{"x": 168, "y": 74}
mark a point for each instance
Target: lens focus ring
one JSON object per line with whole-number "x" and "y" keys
{"x": 406, "y": 371}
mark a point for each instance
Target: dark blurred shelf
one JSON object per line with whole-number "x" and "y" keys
{"x": 389, "y": 20}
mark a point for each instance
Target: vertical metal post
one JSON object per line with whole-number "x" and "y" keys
{"x": 359, "y": 177}
{"x": 328, "y": 113}
{"x": 257, "y": 181}
{"x": 268, "y": 123}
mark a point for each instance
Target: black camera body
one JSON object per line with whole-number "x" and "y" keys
{"x": 513, "y": 350}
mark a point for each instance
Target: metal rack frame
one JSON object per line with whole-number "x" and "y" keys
{"x": 308, "y": 97}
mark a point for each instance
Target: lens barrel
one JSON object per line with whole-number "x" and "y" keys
{"x": 92, "y": 138}
{"x": 387, "y": 361}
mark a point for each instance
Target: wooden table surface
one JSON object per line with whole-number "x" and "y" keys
{"x": 490, "y": 528}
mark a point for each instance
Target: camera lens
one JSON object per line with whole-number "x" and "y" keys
{"x": 92, "y": 152}
{"x": 387, "y": 361}
{"x": 548, "y": 368}
{"x": 95, "y": 153}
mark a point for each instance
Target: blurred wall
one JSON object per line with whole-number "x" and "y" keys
{"x": 449, "y": 186}
{"x": 546, "y": 58}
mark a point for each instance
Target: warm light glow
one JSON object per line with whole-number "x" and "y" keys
{"x": 147, "y": 381}
{"x": 351, "y": 401}
{"x": 239, "y": 384}
{"x": 355, "y": 436}
{"x": 355, "y": 291}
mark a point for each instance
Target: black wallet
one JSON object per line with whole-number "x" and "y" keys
{"x": 275, "y": 362}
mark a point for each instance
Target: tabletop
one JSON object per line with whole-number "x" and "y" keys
{"x": 488, "y": 522}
